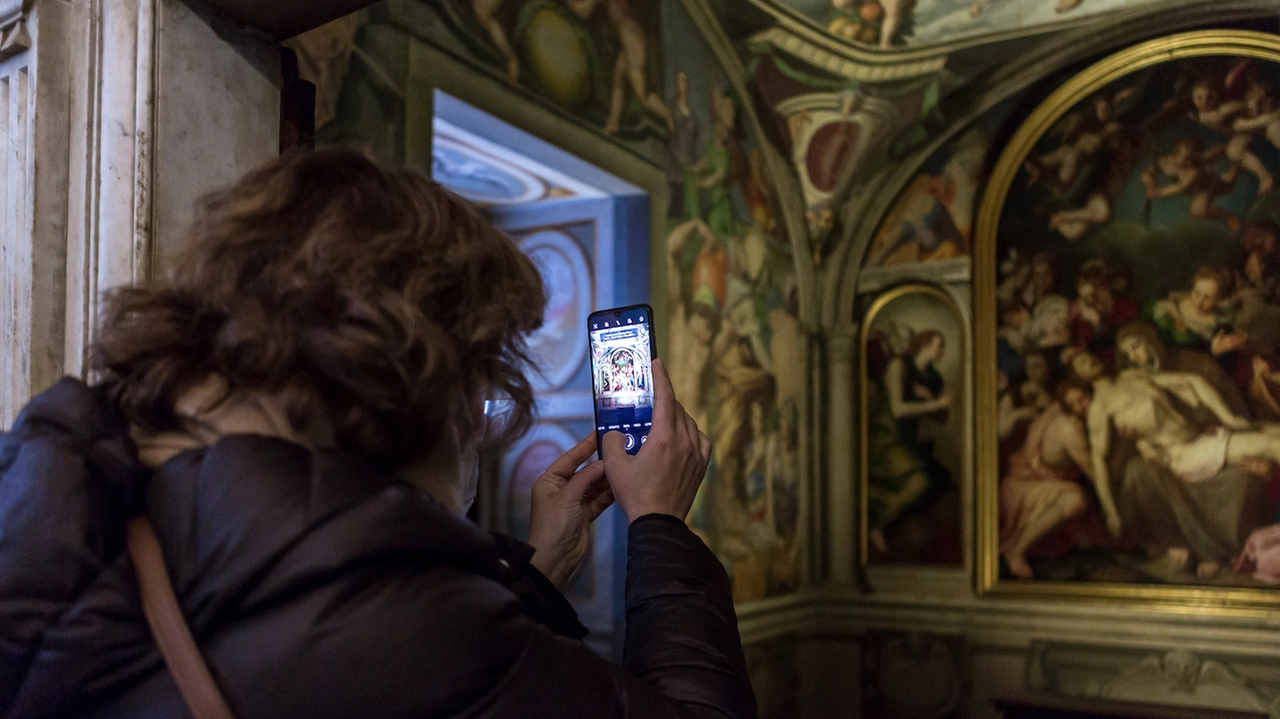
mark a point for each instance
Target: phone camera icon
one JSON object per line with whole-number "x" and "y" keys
{"x": 631, "y": 442}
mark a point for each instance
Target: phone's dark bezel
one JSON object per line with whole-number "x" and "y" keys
{"x": 653, "y": 350}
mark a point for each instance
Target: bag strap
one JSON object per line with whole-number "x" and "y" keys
{"x": 169, "y": 628}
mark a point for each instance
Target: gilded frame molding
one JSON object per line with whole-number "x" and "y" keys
{"x": 1183, "y": 599}
{"x": 877, "y": 306}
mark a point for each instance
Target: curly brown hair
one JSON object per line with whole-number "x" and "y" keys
{"x": 368, "y": 294}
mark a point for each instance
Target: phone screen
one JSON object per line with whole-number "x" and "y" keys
{"x": 622, "y": 372}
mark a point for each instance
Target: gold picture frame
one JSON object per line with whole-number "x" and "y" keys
{"x": 1184, "y": 598}
{"x": 953, "y": 330}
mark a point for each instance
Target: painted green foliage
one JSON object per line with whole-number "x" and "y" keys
{"x": 734, "y": 341}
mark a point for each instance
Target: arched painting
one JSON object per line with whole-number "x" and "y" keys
{"x": 1128, "y": 289}
{"x": 914, "y": 455}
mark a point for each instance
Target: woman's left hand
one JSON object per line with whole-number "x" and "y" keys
{"x": 564, "y": 504}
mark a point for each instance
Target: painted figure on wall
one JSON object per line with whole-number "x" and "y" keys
{"x": 904, "y": 475}
{"x": 631, "y": 64}
{"x": 913, "y": 434}
{"x": 1152, "y": 207}
{"x": 894, "y": 23}
{"x": 486, "y": 12}
{"x": 876, "y": 22}
{"x": 598, "y": 59}
{"x": 733, "y": 339}
{"x": 932, "y": 219}
{"x": 725, "y": 364}
{"x": 1040, "y": 490}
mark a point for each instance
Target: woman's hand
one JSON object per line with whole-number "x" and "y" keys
{"x": 564, "y": 504}
{"x": 663, "y": 477}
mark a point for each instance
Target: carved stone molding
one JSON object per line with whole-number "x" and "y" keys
{"x": 910, "y": 675}
{"x": 847, "y": 61}
{"x": 956, "y": 270}
{"x": 1175, "y": 677}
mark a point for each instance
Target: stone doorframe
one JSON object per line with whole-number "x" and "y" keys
{"x": 115, "y": 116}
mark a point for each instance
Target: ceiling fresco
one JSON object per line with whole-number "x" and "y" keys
{"x": 889, "y": 24}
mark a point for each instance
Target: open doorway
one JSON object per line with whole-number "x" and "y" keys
{"x": 588, "y": 233}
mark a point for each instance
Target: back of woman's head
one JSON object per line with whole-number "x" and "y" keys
{"x": 366, "y": 294}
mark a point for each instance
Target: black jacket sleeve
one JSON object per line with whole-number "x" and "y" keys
{"x": 67, "y": 477}
{"x": 682, "y": 633}
{"x": 447, "y": 642}
{"x": 682, "y": 656}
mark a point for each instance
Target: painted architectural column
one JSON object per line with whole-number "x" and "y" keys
{"x": 841, "y": 474}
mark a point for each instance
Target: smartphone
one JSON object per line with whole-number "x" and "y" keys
{"x": 622, "y": 353}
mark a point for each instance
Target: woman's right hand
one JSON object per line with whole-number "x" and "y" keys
{"x": 664, "y": 476}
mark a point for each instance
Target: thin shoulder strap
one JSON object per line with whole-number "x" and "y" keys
{"x": 169, "y": 627}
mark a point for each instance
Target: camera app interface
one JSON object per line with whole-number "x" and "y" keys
{"x": 622, "y": 376}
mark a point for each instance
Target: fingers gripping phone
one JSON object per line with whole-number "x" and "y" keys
{"x": 622, "y": 353}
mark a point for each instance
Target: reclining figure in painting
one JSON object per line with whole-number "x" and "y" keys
{"x": 1158, "y": 409}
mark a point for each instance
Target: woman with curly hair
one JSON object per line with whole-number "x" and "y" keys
{"x": 291, "y": 421}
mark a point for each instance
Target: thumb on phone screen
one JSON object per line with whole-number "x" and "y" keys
{"x": 664, "y": 476}
{"x": 614, "y": 448}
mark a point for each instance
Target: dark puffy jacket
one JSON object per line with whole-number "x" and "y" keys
{"x": 318, "y": 586}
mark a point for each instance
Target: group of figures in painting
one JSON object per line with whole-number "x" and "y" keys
{"x": 1138, "y": 329}
{"x": 734, "y": 346}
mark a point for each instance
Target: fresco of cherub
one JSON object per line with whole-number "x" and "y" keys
{"x": 1260, "y": 114}
{"x": 630, "y": 65}
{"x": 858, "y": 20}
{"x": 1084, "y": 134}
{"x": 1190, "y": 166}
{"x": 486, "y": 13}
{"x": 1213, "y": 109}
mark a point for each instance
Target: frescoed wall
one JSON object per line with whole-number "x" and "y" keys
{"x": 598, "y": 63}
{"x": 849, "y": 110}
{"x": 734, "y": 338}
{"x": 933, "y": 217}
{"x": 601, "y": 61}
{"x": 639, "y": 74}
